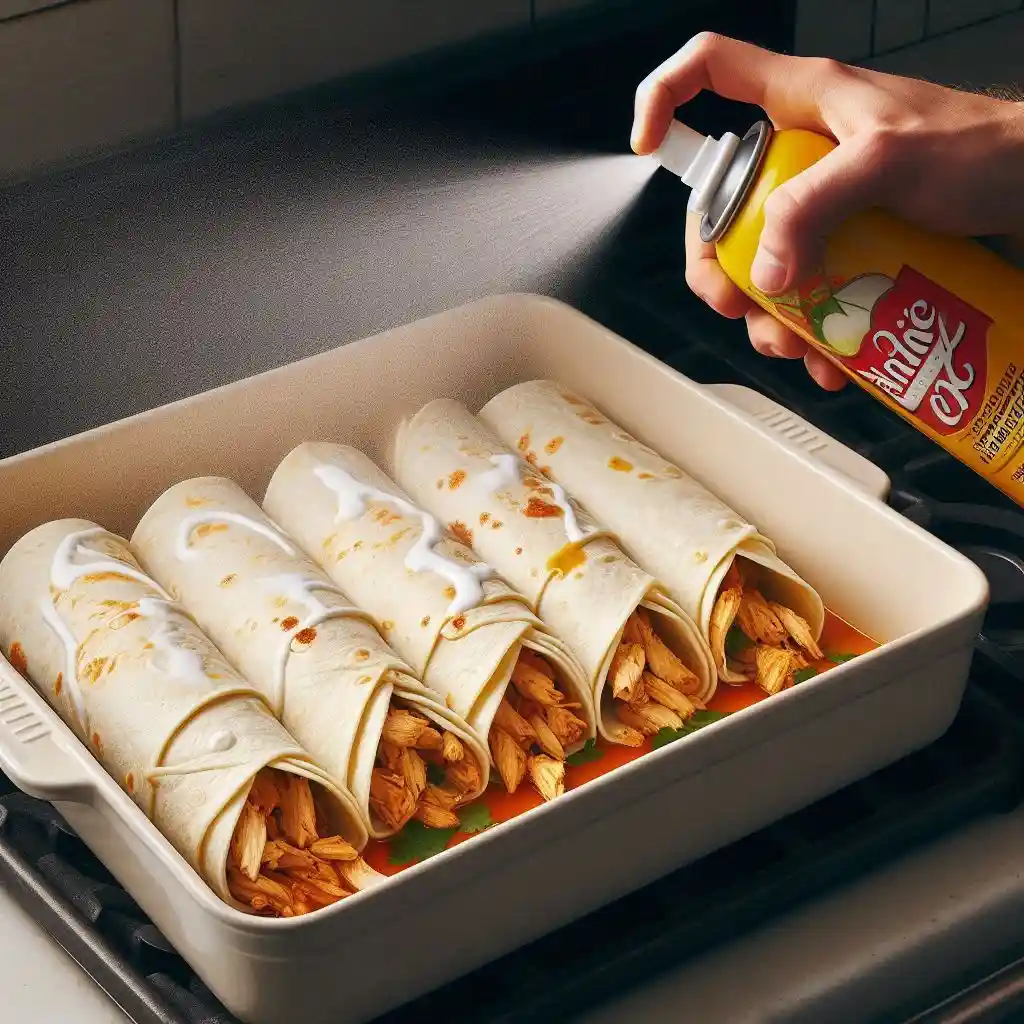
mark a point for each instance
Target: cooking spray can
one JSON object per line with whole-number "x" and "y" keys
{"x": 931, "y": 326}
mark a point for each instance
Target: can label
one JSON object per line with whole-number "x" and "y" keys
{"x": 908, "y": 337}
{"x": 922, "y": 347}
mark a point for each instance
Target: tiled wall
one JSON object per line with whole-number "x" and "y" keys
{"x": 853, "y": 30}
{"x": 81, "y": 76}
{"x": 84, "y": 76}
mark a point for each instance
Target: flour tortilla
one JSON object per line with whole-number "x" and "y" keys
{"x": 465, "y": 658}
{"x": 186, "y": 746}
{"x": 670, "y": 523}
{"x": 446, "y": 458}
{"x": 257, "y": 598}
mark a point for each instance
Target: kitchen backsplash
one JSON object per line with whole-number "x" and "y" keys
{"x": 854, "y": 30}
{"x": 84, "y": 76}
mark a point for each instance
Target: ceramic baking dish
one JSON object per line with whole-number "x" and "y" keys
{"x": 821, "y": 503}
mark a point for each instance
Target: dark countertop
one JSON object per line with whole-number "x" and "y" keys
{"x": 272, "y": 234}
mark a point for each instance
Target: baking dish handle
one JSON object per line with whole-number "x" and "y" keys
{"x": 806, "y": 440}
{"x": 35, "y": 756}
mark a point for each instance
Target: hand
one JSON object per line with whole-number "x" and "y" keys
{"x": 948, "y": 160}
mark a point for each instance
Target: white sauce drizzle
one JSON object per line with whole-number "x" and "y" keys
{"x": 572, "y": 526}
{"x": 506, "y": 473}
{"x": 301, "y": 589}
{"x": 64, "y": 570}
{"x": 353, "y": 496}
{"x": 70, "y": 680}
{"x": 183, "y": 664}
{"x": 221, "y": 740}
{"x": 185, "y": 551}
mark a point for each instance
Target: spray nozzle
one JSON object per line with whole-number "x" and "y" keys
{"x": 699, "y": 160}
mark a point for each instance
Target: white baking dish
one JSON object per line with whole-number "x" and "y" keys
{"x": 821, "y": 503}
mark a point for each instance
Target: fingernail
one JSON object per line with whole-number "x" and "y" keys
{"x": 766, "y": 272}
{"x": 634, "y": 137}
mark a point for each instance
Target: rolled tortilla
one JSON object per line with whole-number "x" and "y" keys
{"x": 321, "y": 664}
{"x": 157, "y": 704}
{"x": 670, "y": 523}
{"x": 615, "y": 617}
{"x": 466, "y": 634}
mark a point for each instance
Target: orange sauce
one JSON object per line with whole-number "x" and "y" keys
{"x": 567, "y": 558}
{"x": 839, "y": 641}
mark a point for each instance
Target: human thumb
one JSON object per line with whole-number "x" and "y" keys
{"x": 801, "y": 214}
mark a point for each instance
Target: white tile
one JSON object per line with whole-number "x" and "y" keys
{"x": 82, "y": 78}
{"x": 898, "y": 23}
{"x": 983, "y": 55}
{"x": 237, "y": 51}
{"x": 834, "y": 28}
{"x": 945, "y": 15}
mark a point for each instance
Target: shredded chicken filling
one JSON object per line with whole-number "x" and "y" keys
{"x": 422, "y": 772}
{"x": 278, "y": 862}
{"x": 758, "y": 638}
{"x": 534, "y": 726}
{"x": 651, "y": 689}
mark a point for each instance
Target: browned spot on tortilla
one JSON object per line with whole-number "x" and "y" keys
{"x": 531, "y": 458}
{"x": 645, "y": 476}
{"x": 206, "y": 529}
{"x": 148, "y": 646}
{"x": 519, "y": 551}
{"x": 107, "y": 577}
{"x": 362, "y": 654}
{"x": 456, "y": 479}
{"x": 440, "y": 483}
{"x": 129, "y": 782}
{"x": 567, "y": 558}
{"x": 572, "y": 399}
{"x": 363, "y": 680}
{"x": 537, "y": 508}
{"x": 229, "y": 579}
{"x": 58, "y": 684}
{"x": 196, "y": 502}
{"x": 307, "y": 635}
{"x": 425, "y": 621}
{"x": 553, "y": 445}
{"x": 358, "y": 544}
{"x": 18, "y": 660}
{"x": 591, "y": 417}
{"x": 620, "y": 465}
{"x": 289, "y": 623}
{"x": 449, "y": 702}
{"x": 449, "y": 592}
{"x": 463, "y": 532}
{"x": 484, "y": 516}
{"x": 524, "y": 442}
{"x": 94, "y": 669}
{"x": 459, "y": 622}
{"x": 673, "y": 473}
{"x": 386, "y": 515}
{"x": 386, "y": 626}
{"x": 97, "y": 743}
{"x": 497, "y": 524}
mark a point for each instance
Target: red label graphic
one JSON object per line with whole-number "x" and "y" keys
{"x": 927, "y": 350}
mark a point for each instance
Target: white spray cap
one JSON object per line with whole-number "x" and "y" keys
{"x": 698, "y": 159}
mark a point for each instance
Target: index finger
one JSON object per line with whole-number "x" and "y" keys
{"x": 783, "y": 86}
